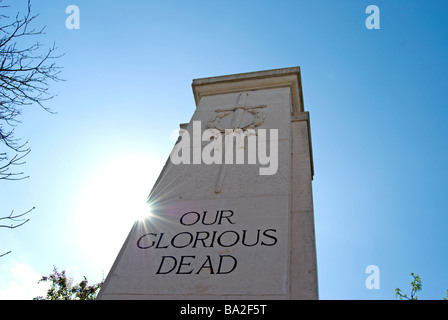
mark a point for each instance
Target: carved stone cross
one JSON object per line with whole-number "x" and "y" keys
{"x": 238, "y": 122}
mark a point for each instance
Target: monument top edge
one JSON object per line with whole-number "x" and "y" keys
{"x": 273, "y": 78}
{"x": 247, "y": 75}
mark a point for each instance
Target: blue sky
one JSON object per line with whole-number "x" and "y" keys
{"x": 378, "y": 107}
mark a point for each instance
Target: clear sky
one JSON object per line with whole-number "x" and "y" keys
{"x": 378, "y": 107}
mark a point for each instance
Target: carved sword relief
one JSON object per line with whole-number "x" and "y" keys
{"x": 241, "y": 121}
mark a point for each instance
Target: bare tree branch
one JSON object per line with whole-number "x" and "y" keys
{"x": 16, "y": 221}
{"x": 16, "y": 218}
{"x": 27, "y": 67}
{"x": 16, "y": 160}
{"x": 4, "y": 254}
{"x": 25, "y": 73}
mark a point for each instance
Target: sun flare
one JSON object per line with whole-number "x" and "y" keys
{"x": 112, "y": 198}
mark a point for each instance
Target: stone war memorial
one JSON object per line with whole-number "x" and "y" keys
{"x": 231, "y": 214}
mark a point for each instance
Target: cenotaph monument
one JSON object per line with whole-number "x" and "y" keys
{"x": 231, "y": 214}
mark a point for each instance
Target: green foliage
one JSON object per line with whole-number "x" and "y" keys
{"x": 63, "y": 289}
{"x": 416, "y": 286}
